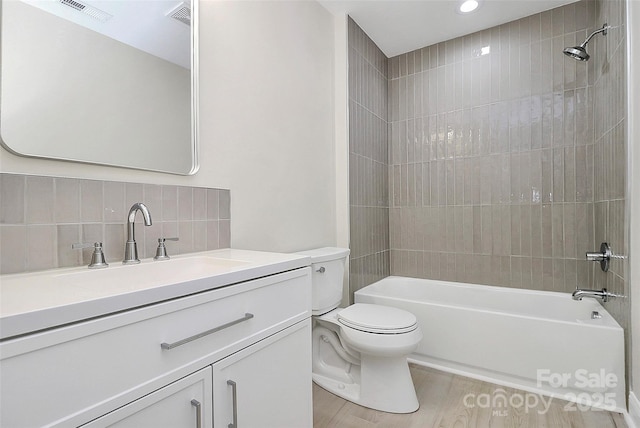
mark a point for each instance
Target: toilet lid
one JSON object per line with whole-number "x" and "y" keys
{"x": 377, "y": 319}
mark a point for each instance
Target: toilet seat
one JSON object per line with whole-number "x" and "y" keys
{"x": 377, "y": 319}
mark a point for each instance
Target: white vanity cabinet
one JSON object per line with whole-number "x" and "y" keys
{"x": 260, "y": 386}
{"x": 185, "y": 403}
{"x": 143, "y": 367}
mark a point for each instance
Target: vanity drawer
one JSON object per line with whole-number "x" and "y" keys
{"x": 74, "y": 374}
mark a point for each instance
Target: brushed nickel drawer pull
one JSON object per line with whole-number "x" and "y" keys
{"x": 234, "y": 397}
{"x": 195, "y": 403}
{"x": 167, "y": 346}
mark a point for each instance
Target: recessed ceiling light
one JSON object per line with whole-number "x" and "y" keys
{"x": 468, "y": 6}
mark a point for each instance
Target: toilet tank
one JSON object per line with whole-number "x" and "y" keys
{"x": 327, "y": 276}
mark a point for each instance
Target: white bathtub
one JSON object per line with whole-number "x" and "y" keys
{"x": 537, "y": 341}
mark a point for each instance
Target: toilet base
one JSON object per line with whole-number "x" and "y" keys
{"x": 348, "y": 391}
{"x": 392, "y": 393}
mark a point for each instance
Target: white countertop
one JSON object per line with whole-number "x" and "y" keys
{"x": 39, "y": 300}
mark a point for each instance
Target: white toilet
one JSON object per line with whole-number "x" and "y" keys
{"x": 360, "y": 352}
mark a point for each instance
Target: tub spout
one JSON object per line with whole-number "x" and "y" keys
{"x": 603, "y": 294}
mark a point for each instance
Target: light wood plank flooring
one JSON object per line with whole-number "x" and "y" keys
{"x": 442, "y": 404}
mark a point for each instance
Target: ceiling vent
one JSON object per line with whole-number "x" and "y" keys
{"x": 182, "y": 13}
{"x": 93, "y": 12}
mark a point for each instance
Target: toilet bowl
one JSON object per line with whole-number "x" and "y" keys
{"x": 360, "y": 352}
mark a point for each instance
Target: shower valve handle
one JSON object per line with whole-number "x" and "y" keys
{"x": 604, "y": 256}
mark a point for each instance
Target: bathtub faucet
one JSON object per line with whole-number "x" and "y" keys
{"x": 603, "y": 294}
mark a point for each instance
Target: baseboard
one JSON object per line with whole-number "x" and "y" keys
{"x": 632, "y": 418}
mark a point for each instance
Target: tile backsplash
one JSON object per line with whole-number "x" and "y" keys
{"x": 41, "y": 217}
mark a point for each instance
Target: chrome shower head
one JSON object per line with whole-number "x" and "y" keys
{"x": 579, "y": 53}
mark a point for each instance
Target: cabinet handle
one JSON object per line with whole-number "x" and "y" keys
{"x": 195, "y": 403}
{"x": 234, "y": 395}
{"x": 167, "y": 346}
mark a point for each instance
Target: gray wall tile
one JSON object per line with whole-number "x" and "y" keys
{"x": 374, "y": 181}
{"x": 67, "y": 235}
{"x": 12, "y": 194}
{"x": 114, "y": 197}
{"x": 95, "y": 211}
{"x": 225, "y": 234}
{"x": 91, "y": 201}
{"x": 41, "y": 246}
{"x": 199, "y": 204}
{"x": 185, "y": 203}
{"x": 13, "y": 248}
{"x": 517, "y": 158}
{"x": 39, "y": 200}
{"x": 169, "y": 203}
{"x": 67, "y": 200}
{"x": 224, "y": 200}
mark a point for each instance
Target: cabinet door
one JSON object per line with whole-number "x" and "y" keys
{"x": 266, "y": 385}
{"x": 185, "y": 403}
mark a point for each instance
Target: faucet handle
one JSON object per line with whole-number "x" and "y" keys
{"x": 97, "y": 258}
{"x": 604, "y": 256}
{"x": 82, "y": 245}
{"x": 161, "y": 251}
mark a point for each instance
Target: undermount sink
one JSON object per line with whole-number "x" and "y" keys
{"x": 151, "y": 272}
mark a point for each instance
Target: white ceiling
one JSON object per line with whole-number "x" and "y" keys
{"x": 399, "y": 26}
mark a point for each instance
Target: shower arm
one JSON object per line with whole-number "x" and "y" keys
{"x": 602, "y": 30}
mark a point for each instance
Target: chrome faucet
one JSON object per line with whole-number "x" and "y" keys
{"x": 603, "y": 294}
{"x": 130, "y": 247}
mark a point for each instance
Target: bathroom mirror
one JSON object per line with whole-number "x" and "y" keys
{"x": 110, "y": 82}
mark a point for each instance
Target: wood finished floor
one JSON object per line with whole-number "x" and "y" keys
{"x": 441, "y": 396}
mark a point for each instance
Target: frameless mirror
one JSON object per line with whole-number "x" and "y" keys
{"x": 108, "y": 82}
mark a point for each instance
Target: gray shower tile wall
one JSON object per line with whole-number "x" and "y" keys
{"x": 494, "y": 150}
{"x": 608, "y": 55}
{"x": 41, "y": 217}
{"x": 368, "y": 160}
